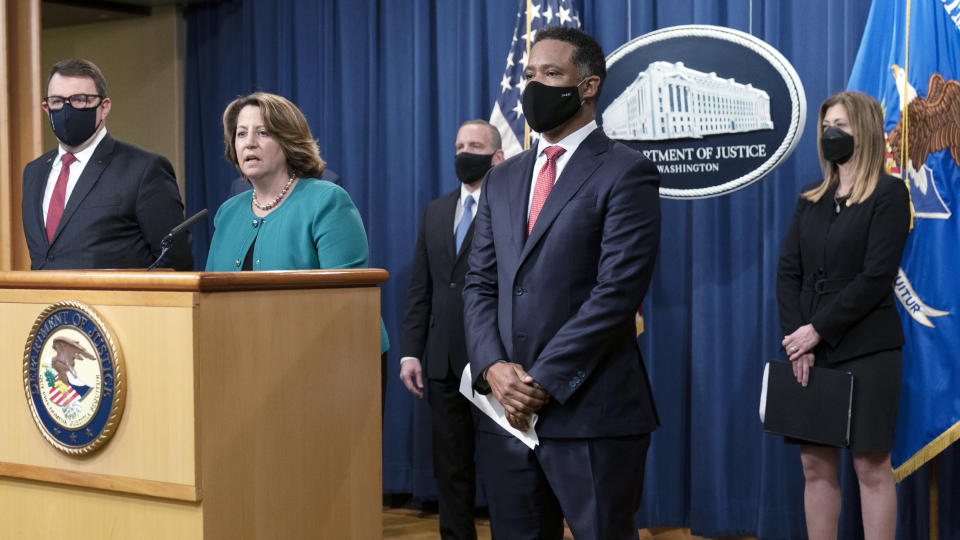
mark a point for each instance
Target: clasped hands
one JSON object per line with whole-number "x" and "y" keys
{"x": 799, "y": 346}
{"x": 515, "y": 389}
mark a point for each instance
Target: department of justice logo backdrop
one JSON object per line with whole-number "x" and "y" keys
{"x": 73, "y": 377}
{"x": 714, "y": 108}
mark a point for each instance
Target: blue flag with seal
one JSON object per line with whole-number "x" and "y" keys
{"x": 909, "y": 59}
{"x": 507, "y": 115}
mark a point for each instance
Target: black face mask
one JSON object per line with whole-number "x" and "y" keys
{"x": 547, "y": 107}
{"x": 836, "y": 145}
{"x": 471, "y": 167}
{"x": 73, "y": 126}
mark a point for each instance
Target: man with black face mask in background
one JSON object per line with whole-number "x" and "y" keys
{"x": 433, "y": 326}
{"x": 95, "y": 202}
{"x": 563, "y": 251}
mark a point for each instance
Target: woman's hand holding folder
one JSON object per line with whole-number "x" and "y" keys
{"x": 800, "y": 342}
{"x": 801, "y": 368}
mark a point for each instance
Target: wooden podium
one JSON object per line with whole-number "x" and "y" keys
{"x": 252, "y": 409}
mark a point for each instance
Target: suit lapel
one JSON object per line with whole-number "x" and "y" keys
{"x": 33, "y": 194}
{"x": 88, "y": 178}
{"x": 519, "y": 189}
{"x": 582, "y": 164}
{"x": 447, "y": 230}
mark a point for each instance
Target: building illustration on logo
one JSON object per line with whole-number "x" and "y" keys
{"x": 671, "y": 101}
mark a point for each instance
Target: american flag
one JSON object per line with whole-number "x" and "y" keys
{"x": 507, "y": 114}
{"x": 61, "y": 393}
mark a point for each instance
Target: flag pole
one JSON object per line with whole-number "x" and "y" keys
{"x": 933, "y": 493}
{"x": 904, "y": 146}
{"x": 934, "y": 500}
{"x": 526, "y": 126}
{"x": 906, "y": 100}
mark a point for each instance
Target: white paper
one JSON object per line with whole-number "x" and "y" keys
{"x": 492, "y": 408}
{"x": 763, "y": 392}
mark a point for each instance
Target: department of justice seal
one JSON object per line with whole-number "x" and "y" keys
{"x": 714, "y": 108}
{"x": 73, "y": 377}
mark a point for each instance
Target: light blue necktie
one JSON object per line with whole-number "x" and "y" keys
{"x": 465, "y": 220}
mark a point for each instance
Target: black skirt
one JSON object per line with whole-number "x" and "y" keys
{"x": 876, "y": 399}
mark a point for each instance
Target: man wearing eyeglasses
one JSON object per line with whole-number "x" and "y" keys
{"x": 95, "y": 202}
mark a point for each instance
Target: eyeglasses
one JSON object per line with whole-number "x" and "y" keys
{"x": 77, "y": 101}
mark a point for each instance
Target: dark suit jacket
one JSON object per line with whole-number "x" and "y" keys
{"x": 562, "y": 302}
{"x": 433, "y": 325}
{"x": 837, "y": 271}
{"x": 124, "y": 203}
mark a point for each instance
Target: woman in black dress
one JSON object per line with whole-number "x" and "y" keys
{"x": 835, "y": 292}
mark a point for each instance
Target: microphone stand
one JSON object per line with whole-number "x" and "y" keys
{"x": 168, "y": 239}
{"x": 164, "y": 248}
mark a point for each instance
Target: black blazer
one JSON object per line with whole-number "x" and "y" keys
{"x": 433, "y": 325}
{"x": 837, "y": 271}
{"x": 124, "y": 203}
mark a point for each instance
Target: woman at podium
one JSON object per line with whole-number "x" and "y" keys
{"x": 290, "y": 220}
{"x": 835, "y": 293}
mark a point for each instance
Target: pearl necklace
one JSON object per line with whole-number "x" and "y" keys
{"x": 276, "y": 201}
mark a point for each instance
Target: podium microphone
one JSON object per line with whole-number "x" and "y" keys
{"x": 168, "y": 239}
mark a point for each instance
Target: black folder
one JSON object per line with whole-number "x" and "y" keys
{"x": 818, "y": 413}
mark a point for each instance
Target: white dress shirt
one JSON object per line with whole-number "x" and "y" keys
{"x": 76, "y": 169}
{"x": 570, "y": 143}
{"x": 464, "y": 193}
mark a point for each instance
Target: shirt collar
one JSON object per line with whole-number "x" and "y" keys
{"x": 85, "y": 154}
{"x": 571, "y": 142}
{"x": 464, "y": 194}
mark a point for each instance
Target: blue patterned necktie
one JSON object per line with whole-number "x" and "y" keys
{"x": 465, "y": 220}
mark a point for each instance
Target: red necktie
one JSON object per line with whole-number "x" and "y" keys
{"x": 59, "y": 197}
{"x": 545, "y": 180}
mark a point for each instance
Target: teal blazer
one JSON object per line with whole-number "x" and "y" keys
{"x": 317, "y": 226}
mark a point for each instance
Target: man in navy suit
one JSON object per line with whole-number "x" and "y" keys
{"x": 433, "y": 327}
{"x": 95, "y": 202}
{"x": 563, "y": 250}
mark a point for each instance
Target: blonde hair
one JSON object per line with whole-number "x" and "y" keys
{"x": 285, "y": 123}
{"x": 866, "y": 120}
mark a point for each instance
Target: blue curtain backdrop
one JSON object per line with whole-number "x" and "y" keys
{"x": 385, "y": 86}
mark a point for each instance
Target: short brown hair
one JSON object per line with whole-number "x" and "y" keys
{"x": 495, "y": 140}
{"x": 869, "y": 153}
{"x": 285, "y": 123}
{"x": 78, "y": 67}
